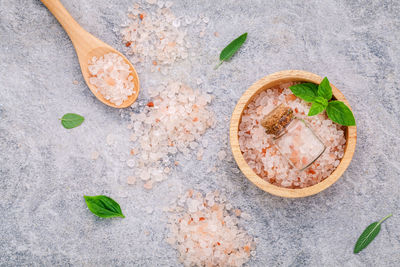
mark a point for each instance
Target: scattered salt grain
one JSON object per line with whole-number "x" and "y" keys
{"x": 245, "y": 216}
{"x": 110, "y": 139}
{"x": 133, "y": 136}
{"x": 238, "y": 212}
{"x": 95, "y": 155}
{"x": 111, "y": 75}
{"x": 130, "y": 163}
{"x": 221, "y": 155}
{"x": 199, "y": 155}
{"x": 148, "y": 185}
{"x": 131, "y": 180}
{"x": 75, "y": 82}
{"x": 168, "y": 4}
{"x": 121, "y": 192}
{"x": 264, "y": 158}
{"x": 149, "y": 210}
{"x": 206, "y": 233}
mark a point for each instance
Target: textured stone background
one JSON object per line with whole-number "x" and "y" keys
{"x": 45, "y": 169}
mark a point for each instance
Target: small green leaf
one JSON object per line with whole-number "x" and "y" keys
{"x": 318, "y": 106}
{"x": 103, "y": 206}
{"x": 231, "y": 49}
{"x": 368, "y": 235}
{"x": 71, "y": 120}
{"x": 340, "y": 113}
{"x": 325, "y": 89}
{"x": 305, "y": 91}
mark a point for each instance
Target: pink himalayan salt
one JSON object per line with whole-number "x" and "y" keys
{"x": 153, "y": 35}
{"x": 131, "y": 180}
{"x": 173, "y": 124}
{"x": 148, "y": 185}
{"x": 156, "y": 37}
{"x": 111, "y": 75}
{"x": 205, "y": 233}
{"x": 263, "y": 157}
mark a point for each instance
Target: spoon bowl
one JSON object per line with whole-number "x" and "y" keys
{"x": 87, "y": 46}
{"x": 101, "y": 51}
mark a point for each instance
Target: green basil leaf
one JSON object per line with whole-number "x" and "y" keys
{"x": 231, "y": 49}
{"x": 71, "y": 120}
{"x": 340, "y": 113}
{"x": 103, "y": 206}
{"x": 325, "y": 89}
{"x": 305, "y": 91}
{"x": 318, "y": 106}
{"x": 368, "y": 235}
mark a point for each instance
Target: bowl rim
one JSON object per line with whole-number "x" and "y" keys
{"x": 264, "y": 84}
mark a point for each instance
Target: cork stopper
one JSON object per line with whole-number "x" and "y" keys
{"x": 277, "y": 120}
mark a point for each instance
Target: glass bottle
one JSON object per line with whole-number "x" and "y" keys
{"x": 293, "y": 137}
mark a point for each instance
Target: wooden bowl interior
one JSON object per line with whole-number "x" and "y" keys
{"x": 269, "y": 82}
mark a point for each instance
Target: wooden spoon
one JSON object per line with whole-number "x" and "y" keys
{"x": 87, "y": 46}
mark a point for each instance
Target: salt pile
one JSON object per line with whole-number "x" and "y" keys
{"x": 154, "y": 35}
{"x": 263, "y": 157}
{"x": 205, "y": 231}
{"x": 111, "y": 75}
{"x": 171, "y": 123}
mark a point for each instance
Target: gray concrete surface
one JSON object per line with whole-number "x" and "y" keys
{"x": 45, "y": 169}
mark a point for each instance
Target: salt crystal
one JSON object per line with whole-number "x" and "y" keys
{"x": 95, "y": 155}
{"x": 245, "y": 216}
{"x": 130, "y": 163}
{"x": 238, "y": 212}
{"x": 200, "y": 154}
{"x": 149, "y": 210}
{"x": 110, "y": 139}
{"x": 75, "y": 82}
{"x": 160, "y": 4}
{"x": 148, "y": 185}
{"x": 131, "y": 180}
{"x": 221, "y": 155}
{"x": 204, "y": 142}
{"x": 168, "y": 4}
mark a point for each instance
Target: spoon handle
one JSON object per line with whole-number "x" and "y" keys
{"x": 81, "y": 39}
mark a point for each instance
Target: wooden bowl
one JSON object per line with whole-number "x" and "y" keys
{"x": 264, "y": 84}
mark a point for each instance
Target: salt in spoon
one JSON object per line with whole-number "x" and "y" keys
{"x": 87, "y": 46}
